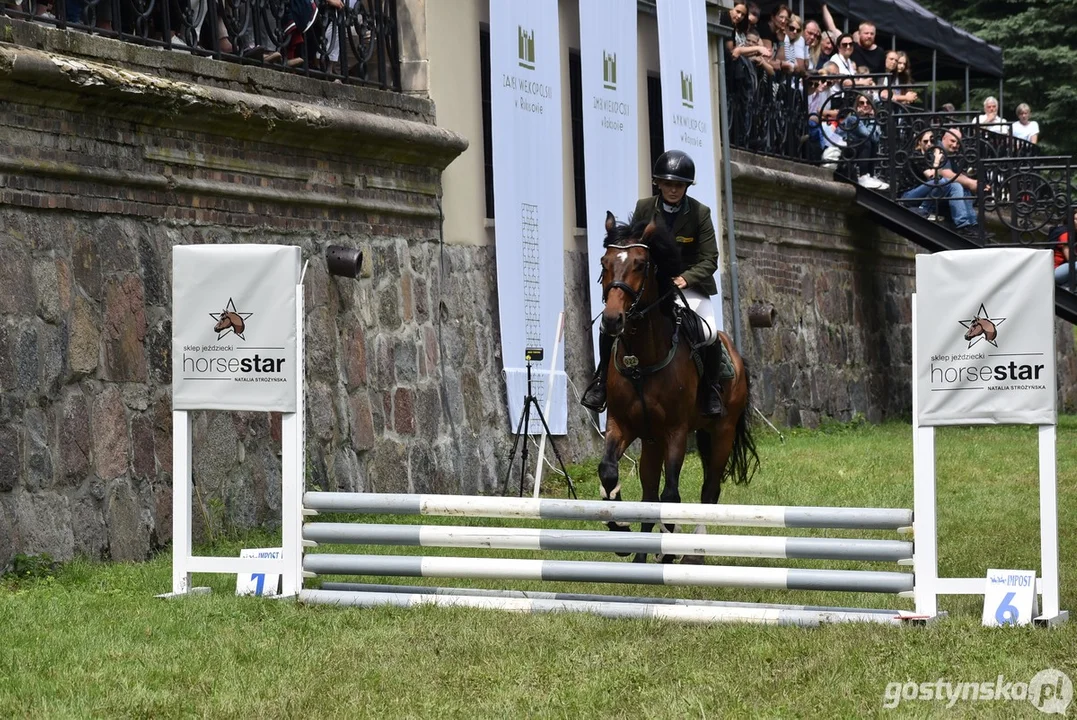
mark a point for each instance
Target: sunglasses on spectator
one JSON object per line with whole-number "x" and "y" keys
{"x": 846, "y": 44}
{"x": 794, "y": 28}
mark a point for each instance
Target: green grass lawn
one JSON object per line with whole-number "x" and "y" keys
{"x": 90, "y": 640}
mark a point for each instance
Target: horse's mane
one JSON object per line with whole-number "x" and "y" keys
{"x": 665, "y": 254}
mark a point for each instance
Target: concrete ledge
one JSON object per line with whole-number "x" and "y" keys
{"x": 773, "y": 180}
{"x": 91, "y": 86}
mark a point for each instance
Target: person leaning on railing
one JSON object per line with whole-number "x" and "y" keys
{"x": 1026, "y": 128}
{"x": 941, "y": 182}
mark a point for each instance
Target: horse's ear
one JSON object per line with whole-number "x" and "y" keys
{"x": 649, "y": 230}
{"x": 611, "y": 221}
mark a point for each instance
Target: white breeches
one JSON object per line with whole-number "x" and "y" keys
{"x": 700, "y": 304}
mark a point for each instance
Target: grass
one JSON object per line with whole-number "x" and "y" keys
{"x": 90, "y": 640}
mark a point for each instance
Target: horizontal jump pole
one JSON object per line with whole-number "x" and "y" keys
{"x": 607, "y": 511}
{"x": 509, "y": 538}
{"x": 542, "y": 595}
{"x": 684, "y": 613}
{"x": 609, "y": 572}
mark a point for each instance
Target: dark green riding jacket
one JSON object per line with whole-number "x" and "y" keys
{"x": 695, "y": 237}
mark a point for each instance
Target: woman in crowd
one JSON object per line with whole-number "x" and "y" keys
{"x": 739, "y": 47}
{"x": 1025, "y": 128}
{"x": 826, "y": 49}
{"x": 902, "y": 82}
{"x": 843, "y": 58}
{"x": 796, "y": 49}
{"x": 991, "y": 119}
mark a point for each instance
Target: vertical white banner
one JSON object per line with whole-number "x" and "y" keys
{"x": 525, "y": 86}
{"x": 610, "y": 123}
{"x": 686, "y": 101}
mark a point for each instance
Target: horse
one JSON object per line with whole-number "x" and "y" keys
{"x": 653, "y": 381}
{"x": 232, "y": 320}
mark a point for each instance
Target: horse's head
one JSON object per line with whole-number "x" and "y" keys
{"x": 982, "y": 326}
{"x": 223, "y": 322}
{"x": 229, "y": 320}
{"x": 637, "y": 269}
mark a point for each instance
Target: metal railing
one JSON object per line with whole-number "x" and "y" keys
{"x": 944, "y": 166}
{"x": 353, "y": 41}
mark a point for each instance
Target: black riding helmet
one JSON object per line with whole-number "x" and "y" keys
{"x": 675, "y": 165}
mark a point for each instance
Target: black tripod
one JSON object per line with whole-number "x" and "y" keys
{"x": 521, "y": 433}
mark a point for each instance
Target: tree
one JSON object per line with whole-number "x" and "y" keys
{"x": 1039, "y": 51}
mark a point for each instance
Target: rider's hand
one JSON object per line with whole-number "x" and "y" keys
{"x": 679, "y": 282}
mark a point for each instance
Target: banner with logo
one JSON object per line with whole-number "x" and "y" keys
{"x": 686, "y": 101}
{"x": 985, "y": 337}
{"x": 610, "y": 125}
{"x": 233, "y": 327}
{"x": 525, "y": 85}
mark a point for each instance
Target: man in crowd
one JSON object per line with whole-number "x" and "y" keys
{"x": 866, "y": 52}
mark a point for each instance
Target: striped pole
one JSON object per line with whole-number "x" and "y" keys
{"x": 605, "y": 511}
{"x": 610, "y": 572}
{"x": 684, "y": 613}
{"x": 542, "y": 595}
{"x": 509, "y": 538}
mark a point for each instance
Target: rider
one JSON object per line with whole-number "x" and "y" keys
{"x": 690, "y": 222}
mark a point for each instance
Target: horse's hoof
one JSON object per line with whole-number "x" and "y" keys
{"x": 622, "y": 554}
{"x": 692, "y": 560}
{"x": 668, "y": 559}
{"x": 640, "y": 558}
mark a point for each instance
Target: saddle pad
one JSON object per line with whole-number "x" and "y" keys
{"x": 726, "y": 370}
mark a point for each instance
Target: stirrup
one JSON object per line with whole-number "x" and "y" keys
{"x": 594, "y": 395}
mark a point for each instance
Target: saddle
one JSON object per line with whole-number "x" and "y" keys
{"x": 692, "y": 325}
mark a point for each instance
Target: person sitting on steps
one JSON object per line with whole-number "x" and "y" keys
{"x": 690, "y": 222}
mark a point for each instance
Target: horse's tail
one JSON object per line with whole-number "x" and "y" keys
{"x": 743, "y": 460}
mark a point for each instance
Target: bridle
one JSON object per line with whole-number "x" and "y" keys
{"x": 632, "y": 313}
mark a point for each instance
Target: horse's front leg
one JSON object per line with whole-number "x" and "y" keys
{"x": 671, "y": 493}
{"x": 617, "y": 442}
{"x": 650, "y": 475}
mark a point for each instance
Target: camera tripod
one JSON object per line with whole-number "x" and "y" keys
{"x": 521, "y": 433}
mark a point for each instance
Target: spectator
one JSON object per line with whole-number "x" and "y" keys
{"x": 866, "y": 52}
{"x": 819, "y": 90}
{"x": 773, "y": 32}
{"x": 796, "y": 49}
{"x": 1024, "y": 128}
{"x": 862, "y": 135}
{"x": 902, "y": 81}
{"x": 991, "y": 119}
{"x": 826, "y": 49}
{"x": 948, "y": 107}
{"x": 1060, "y": 237}
{"x": 763, "y": 59}
{"x": 924, "y": 161}
{"x": 813, "y": 38}
{"x": 843, "y": 57}
{"x": 753, "y": 16}
{"x": 949, "y": 183}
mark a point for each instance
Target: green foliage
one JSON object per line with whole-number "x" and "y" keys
{"x": 1038, "y": 50}
{"x": 34, "y": 566}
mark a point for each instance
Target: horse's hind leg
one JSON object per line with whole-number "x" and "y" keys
{"x": 609, "y": 470}
{"x": 650, "y": 475}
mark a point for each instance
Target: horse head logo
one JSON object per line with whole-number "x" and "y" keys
{"x": 982, "y": 327}
{"x": 230, "y": 320}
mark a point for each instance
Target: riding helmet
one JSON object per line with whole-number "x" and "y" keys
{"x": 675, "y": 165}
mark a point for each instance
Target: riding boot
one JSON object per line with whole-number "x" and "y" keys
{"x": 594, "y": 397}
{"x": 711, "y": 390}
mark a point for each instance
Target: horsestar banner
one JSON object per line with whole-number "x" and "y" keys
{"x": 234, "y": 327}
{"x": 610, "y": 124}
{"x": 686, "y": 101}
{"x": 525, "y": 87}
{"x": 985, "y": 344}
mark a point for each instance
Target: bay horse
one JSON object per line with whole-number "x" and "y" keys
{"x": 652, "y": 382}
